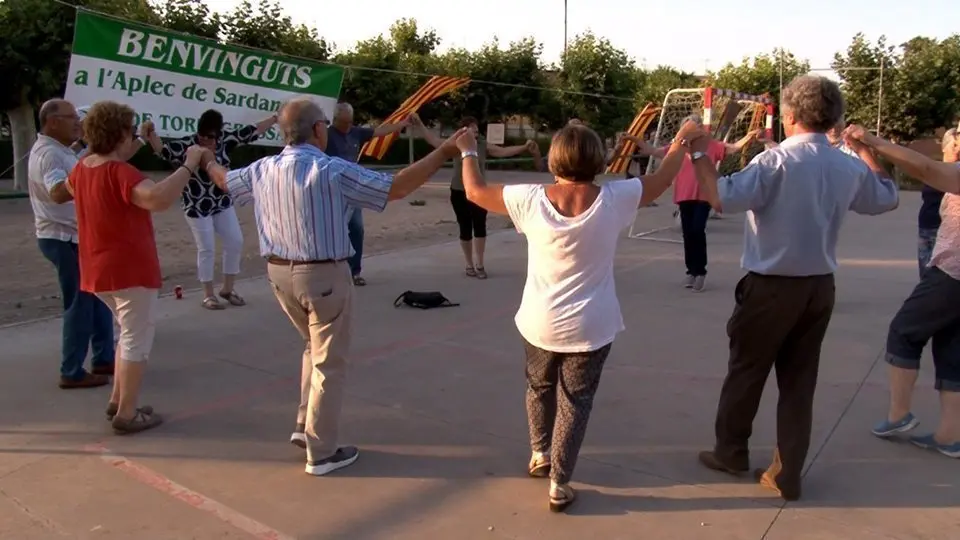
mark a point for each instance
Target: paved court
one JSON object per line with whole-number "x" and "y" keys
{"x": 436, "y": 405}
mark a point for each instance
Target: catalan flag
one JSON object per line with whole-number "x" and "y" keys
{"x": 434, "y": 88}
{"x": 637, "y": 128}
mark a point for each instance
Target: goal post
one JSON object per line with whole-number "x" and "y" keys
{"x": 725, "y": 113}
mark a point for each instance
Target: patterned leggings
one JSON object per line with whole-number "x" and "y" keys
{"x": 560, "y": 390}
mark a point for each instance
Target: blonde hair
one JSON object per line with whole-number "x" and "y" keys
{"x": 576, "y": 154}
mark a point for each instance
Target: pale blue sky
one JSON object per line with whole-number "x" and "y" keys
{"x": 691, "y": 35}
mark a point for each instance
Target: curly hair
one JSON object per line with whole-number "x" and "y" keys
{"x": 107, "y": 125}
{"x": 816, "y": 102}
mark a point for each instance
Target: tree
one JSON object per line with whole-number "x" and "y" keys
{"x": 859, "y": 71}
{"x": 518, "y": 64}
{"x": 761, "y": 74}
{"x": 190, "y": 17}
{"x": 926, "y": 88}
{"x": 592, "y": 67}
{"x": 34, "y": 56}
{"x": 659, "y": 81}
{"x": 267, "y": 28}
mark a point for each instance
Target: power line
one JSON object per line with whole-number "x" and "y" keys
{"x": 353, "y": 67}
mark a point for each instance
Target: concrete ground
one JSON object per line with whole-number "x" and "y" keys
{"x": 436, "y": 405}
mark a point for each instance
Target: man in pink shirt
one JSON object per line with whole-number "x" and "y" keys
{"x": 694, "y": 209}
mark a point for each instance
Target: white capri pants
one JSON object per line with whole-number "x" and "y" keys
{"x": 205, "y": 231}
{"x": 135, "y": 310}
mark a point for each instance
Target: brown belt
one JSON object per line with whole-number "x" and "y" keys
{"x": 286, "y": 262}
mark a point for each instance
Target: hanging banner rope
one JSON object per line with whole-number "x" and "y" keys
{"x": 434, "y": 88}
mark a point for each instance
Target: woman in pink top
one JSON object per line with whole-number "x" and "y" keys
{"x": 694, "y": 210}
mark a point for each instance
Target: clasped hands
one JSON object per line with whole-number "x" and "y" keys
{"x": 858, "y": 138}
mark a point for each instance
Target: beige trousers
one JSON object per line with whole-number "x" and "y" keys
{"x": 318, "y": 298}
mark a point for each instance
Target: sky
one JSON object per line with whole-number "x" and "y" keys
{"x": 692, "y": 35}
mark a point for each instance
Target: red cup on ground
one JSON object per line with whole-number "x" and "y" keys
{"x": 178, "y": 291}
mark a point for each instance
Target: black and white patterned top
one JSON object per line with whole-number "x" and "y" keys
{"x": 201, "y": 197}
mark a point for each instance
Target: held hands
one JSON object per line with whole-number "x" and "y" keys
{"x": 146, "y": 129}
{"x": 531, "y": 146}
{"x": 452, "y": 147}
{"x": 413, "y": 119}
{"x": 195, "y": 157}
{"x": 856, "y": 137}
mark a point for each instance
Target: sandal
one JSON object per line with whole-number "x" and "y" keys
{"x": 359, "y": 281}
{"x": 112, "y": 409}
{"x": 481, "y": 273}
{"x": 234, "y": 298}
{"x": 471, "y": 272}
{"x": 539, "y": 467}
{"x": 561, "y": 496}
{"x": 211, "y": 303}
{"x": 141, "y": 421}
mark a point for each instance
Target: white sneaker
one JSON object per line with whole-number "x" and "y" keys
{"x": 688, "y": 281}
{"x": 298, "y": 437}
{"x": 698, "y": 283}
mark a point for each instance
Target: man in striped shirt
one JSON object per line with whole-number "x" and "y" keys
{"x": 303, "y": 199}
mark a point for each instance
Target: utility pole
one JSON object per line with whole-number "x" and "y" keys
{"x": 564, "y": 27}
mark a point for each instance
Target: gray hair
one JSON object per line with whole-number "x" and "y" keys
{"x": 949, "y": 139}
{"x": 343, "y": 108}
{"x": 816, "y": 102}
{"x": 297, "y": 117}
{"x": 50, "y": 108}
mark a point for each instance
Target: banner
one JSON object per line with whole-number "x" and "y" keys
{"x": 172, "y": 78}
{"x": 434, "y": 88}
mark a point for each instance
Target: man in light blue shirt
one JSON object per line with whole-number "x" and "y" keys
{"x": 301, "y": 200}
{"x": 796, "y": 197}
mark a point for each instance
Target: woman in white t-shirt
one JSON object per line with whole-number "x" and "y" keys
{"x": 569, "y": 314}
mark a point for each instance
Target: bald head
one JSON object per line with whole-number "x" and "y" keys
{"x": 300, "y": 121}
{"x": 59, "y": 120}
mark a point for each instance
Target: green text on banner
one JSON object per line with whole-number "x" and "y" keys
{"x": 173, "y": 78}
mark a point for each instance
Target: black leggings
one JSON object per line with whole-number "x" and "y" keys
{"x": 471, "y": 218}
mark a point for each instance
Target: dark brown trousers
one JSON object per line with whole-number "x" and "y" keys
{"x": 778, "y": 322}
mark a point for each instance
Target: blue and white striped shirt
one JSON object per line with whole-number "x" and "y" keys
{"x": 301, "y": 198}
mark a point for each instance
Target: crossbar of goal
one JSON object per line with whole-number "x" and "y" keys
{"x": 680, "y": 103}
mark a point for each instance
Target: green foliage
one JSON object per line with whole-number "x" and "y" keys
{"x": 266, "y": 27}
{"x": 190, "y": 17}
{"x": 859, "y": 71}
{"x": 761, "y": 74}
{"x": 659, "y": 81}
{"x": 592, "y": 66}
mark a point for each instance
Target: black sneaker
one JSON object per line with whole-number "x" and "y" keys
{"x": 298, "y": 437}
{"x": 345, "y": 456}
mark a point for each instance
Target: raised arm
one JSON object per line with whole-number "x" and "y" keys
{"x": 386, "y": 129}
{"x": 656, "y": 183}
{"x": 645, "y": 149}
{"x": 490, "y": 198}
{"x": 941, "y": 176}
{"x": 742, "y": 143}
{"x": 264, "y": 125}
{"x": 422, "y": 130}
{"x": 159, "y": 196}
{"x": 508, "y": 151}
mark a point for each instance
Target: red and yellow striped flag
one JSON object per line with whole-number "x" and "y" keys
{"x": 637, "y": 128}
{"x": 434, "y": 88}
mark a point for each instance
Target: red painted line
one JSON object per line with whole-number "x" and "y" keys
{"x": 186, "y": 495}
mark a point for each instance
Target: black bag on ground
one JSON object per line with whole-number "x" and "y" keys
{"x": 423, "y": 300}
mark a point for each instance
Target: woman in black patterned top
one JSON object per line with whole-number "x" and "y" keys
{"x": 209, "y": 211}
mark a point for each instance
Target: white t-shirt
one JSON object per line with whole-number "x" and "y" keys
{"x": 569, "y": 300}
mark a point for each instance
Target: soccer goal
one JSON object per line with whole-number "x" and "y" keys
{"x": 726, "y": 114}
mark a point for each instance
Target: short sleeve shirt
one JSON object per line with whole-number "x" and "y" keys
{"x": 346, "y": 146}
{"x": 201, "y": 197}
{"x": 569, "y": 300}
{"x": 117, "y": 246}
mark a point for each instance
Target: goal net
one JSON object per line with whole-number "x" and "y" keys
{"x": 727, "y": 115}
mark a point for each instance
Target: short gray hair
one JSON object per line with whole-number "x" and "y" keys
{"x": 50, "y": 108}
{"x": 816, "y": 102}
{"x": 343, "y": 108}
{"x": 297, "y": 118}
{"x": 949, "y": 139}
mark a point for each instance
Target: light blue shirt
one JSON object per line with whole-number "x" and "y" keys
{"x": 796, "y": 197}
{"x": 300, "y": 201}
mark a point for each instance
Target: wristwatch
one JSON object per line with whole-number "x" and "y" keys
{"x": 469, "y": 153}
{"x": 697, "y": 155}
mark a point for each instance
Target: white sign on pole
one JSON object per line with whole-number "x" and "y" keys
{"x": 496, "y": 133}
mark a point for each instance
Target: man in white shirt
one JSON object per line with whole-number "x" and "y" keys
{"x": 86, "y": 320}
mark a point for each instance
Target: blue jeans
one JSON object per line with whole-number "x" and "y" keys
{"x": 355, "y": 230}
{"x": 86, "y": 320}
{"x": 926, "y": 239}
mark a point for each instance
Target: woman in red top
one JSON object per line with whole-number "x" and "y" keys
{"x": 118, "y": 253}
